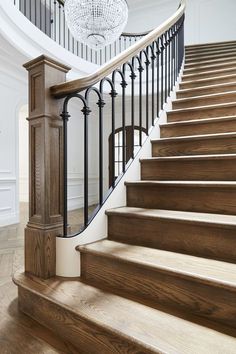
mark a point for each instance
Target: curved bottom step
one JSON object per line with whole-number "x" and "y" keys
{"x": 97, "y": 321}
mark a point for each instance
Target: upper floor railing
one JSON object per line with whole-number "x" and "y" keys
{"x": 49, "y": 17}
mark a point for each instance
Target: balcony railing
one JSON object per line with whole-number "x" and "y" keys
{"x": 49, "y": 17}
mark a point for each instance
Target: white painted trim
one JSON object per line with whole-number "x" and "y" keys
{"x": 9, "y": 219}
{"x": 32, "y": 42}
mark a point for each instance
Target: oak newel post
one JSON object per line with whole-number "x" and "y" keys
{"x": 46, "y": 167}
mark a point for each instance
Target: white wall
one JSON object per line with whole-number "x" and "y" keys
{"x": 23, "y": 154}
{"x": 13, "y": 94}
{"x": 210, "y": 21}
{"x": 206, "y": 20}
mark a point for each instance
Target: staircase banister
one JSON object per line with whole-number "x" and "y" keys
{"x": 78, "y": 85}
{"x": 135, "y": 34}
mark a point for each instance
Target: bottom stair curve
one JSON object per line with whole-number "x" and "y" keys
{"x": 97, "y": 321}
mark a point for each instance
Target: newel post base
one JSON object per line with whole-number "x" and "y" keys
{"x": 45, "y": 167}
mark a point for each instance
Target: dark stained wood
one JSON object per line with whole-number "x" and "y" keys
{"x": 205, "y": 100}
{"x": 207, "y": 90}
{"x": 207, "y": 81}
{"x": 197, "y": 234}
{"x": 18, "y": 333}
{"x": 46, "y": 168}
{"x": 213, "y": 111}
{"x": 87, "y": 337}
{"x": 203, "y": 57}
{"x": 98, "y": 321}
{"x": 206, "y": 197}
{"x": 214, "y": 66}
{"x": 197, "y": 47}
{"x": 198, "y": 127}
{"x": 210, "y": 52}
{"x": 197, "y": 64}
{"x": 209, "y": 74}
{"x": 152, "y": 263}
{"x": 187, "y": 168}
{"x": 195, "y": 145}
{"x": 190, "y": 283}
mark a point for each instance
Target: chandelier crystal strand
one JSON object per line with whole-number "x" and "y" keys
{"x": 96, "y": 23}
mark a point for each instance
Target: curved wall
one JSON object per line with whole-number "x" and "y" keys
{"x": 20, "y": 41}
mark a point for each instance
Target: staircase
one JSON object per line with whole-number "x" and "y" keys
{"x": 165, "y": 279}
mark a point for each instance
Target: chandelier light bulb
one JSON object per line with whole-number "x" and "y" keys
{"x": 96, "y": 23}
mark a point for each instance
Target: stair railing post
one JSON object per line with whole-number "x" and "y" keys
{"x": 45, "y": 167}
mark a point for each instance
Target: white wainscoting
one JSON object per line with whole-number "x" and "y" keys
{"x": 9, "y": 213}
{"x": 76, "y": 191}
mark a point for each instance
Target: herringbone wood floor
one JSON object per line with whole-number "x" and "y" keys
{"x": 18, "y": 333}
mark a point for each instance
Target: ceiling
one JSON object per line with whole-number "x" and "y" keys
{"x": 148, "y": 14}
{"x": 135, "y": 5}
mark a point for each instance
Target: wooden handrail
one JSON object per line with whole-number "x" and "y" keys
{"x": 135, "y": 34}
{"x": 83, "y": 83}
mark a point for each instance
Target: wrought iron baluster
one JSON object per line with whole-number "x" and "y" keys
{"x": 113, "y": 94}
{"x": 147, "y": 63}
{"x": 158, "y": 52}
{"x": 123, "y": 85}
{"x": 153, "y": 58}
{"x": 140, "y": 69}
{"x": 169, "y": 55}
{"x": 133, "y": 77}
{"x": 162, "y": 71}
{"x": 166, "y": 72}
{"x": 65, "y": 117}
{"x": 86, "y": 111}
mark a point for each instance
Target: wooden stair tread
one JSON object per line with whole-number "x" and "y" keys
{"x": 155, "y": 331}
{"x": 206, "y": 218}
{"x": 201, "y": 57}
{"x": 211, "y": 54}
{"x": 197, "y": 121}
{"x": 193, "y": 75}
{"x": 209, "y": 66}
{"x": 204, "y": 184}
{"x": 207, "y": 44}
{"x": 210, "y": 48}
{"x": 197, "y": 64}
{"x": 208, "y": 270}
{"x": 195, "y": 98}
{"x": 208, "y": 79}
{"x": 197, "y": 91}
{"x": 189, "y": 157}
{"x": 194, "y": 109}
{"x": 195, "y": 137}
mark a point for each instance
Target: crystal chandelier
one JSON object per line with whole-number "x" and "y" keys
{"x": 96, "y": 23}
